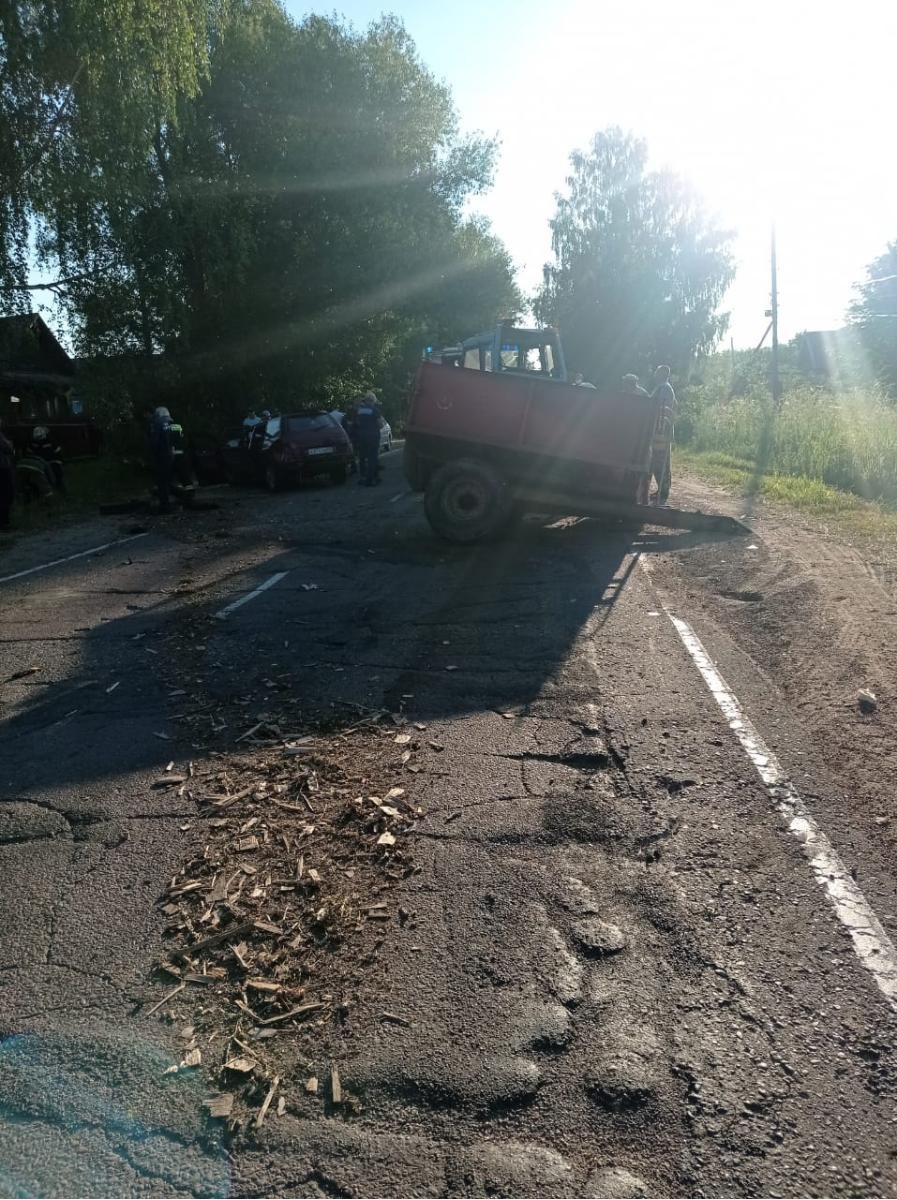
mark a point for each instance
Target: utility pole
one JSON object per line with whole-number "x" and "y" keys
{"x": 774, "y": 314}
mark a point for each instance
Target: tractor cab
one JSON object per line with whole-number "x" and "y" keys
{"x": 512, "y": 350}
{"x": 449, "y": 356}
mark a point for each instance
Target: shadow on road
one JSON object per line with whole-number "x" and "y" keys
{"x": 370, "y": 615}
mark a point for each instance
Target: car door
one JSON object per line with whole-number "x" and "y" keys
{"x": 235, "y": 454}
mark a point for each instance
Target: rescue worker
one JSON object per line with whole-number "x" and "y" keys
{"x": 632, "y": 386}
{"x": 162, "y": 453}
{"x": 7, "y": 478}
{"x": 182, "y": 468}
{"x": 578, "y": 381}
{"x": 366, "y": 438}
{"x": 665, "y": 399}
{"x": 34, "y": 480}
{"x": 43, "y": 448}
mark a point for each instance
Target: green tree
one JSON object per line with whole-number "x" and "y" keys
{"x": 874, "y": 314}
{"x": 639, "y": 270}
{"x": 83, "y": 85}
{"x": 297, "y": 228}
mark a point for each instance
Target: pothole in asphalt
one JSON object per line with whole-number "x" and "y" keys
{"x": 745, "y": 597}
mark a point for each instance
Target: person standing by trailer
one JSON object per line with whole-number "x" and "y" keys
{"x": 665, "y": 399}
{"x": 632, "y": 386}
{"x": 366, "y": 438}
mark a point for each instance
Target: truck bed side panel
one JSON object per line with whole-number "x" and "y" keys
{"x": 540, "y": 417}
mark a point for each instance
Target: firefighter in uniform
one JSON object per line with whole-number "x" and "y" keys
{"x": 171, "y": 463}
{"x": 366, "y": 439}
{"x": 42, "y": 447}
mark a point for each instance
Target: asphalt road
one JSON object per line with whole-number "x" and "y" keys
{"x": 624, "y": 977}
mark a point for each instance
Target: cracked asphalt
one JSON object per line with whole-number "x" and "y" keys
{"x": 620, "y": 977}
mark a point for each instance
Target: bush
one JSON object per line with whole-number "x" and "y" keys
{"x": 845, "y": 439}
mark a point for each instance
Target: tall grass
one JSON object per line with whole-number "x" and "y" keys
{"x": 845, "y": 439}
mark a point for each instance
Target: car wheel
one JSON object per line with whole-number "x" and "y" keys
{"x": 467, "y": 501}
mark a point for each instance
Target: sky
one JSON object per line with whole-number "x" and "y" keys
{"x": 777, "y": 112}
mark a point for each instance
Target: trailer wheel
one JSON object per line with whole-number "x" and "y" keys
{"x": 467, "y": 501}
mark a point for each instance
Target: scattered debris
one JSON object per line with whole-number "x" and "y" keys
{"x": 266, "y": 1103}
{"x": 394, "y": 1018}
{"x": 241, "y": 1064}
{"x": 303, "y": 1010}
{"x": 311, "y": 1085}
{"x": 165, "y": 781}
{"x": 264, "y": 920}
{"x": 170, "y": 995}
{"x": 867, "y": 701}
{"x": 336, "y": 1090}
{"x": 112, "y": 687}
{"x": 220, "y": 1106}
{"x": 23, "y": 674}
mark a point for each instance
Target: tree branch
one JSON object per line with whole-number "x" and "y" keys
{"x": 49, "y": 285}
{"x": 54, "y": 125}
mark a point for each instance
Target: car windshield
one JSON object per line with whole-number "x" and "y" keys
{"x": 311, "y": 422}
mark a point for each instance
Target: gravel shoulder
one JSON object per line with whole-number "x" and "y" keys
{"x": 813, "y": 612}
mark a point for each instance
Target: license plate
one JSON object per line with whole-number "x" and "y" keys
{"x": 321, "y": 450}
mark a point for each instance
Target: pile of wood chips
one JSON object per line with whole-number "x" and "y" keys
{"x": 300, "y": 851}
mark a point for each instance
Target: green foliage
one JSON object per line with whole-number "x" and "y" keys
{"x": 874, "y": 314}
{"x": 87, "y": 82}
{"x": 845, "y": 439}
{"x": 297, "y": 234}
{"x": 639, "y": 270}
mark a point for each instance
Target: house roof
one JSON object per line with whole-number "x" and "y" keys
{"x": 29, "y": 349}
{"x": 830, "y": 350}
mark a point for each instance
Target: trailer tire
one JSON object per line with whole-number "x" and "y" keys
{"x": 467, "y": 501}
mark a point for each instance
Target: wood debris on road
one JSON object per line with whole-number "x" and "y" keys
{"x": 270, "y": 911}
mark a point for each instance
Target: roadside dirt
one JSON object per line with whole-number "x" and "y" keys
{"x": 816, "y": 611}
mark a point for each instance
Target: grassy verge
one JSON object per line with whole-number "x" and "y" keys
{"x": 851, "y": 512}
{"x": 89, "y": 484}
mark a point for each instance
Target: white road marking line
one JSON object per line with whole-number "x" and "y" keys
{"x": 262, "y": 587}
{"x": 873, "y": 947}
{"x": 81, "y": 554}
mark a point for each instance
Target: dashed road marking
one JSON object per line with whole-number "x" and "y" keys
{"x": 71, "y": 557}
{"x": 262, "y": 587}
{"x": 873, "y": 947}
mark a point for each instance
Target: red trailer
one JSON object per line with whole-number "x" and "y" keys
{"x": 485, "y": 443}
